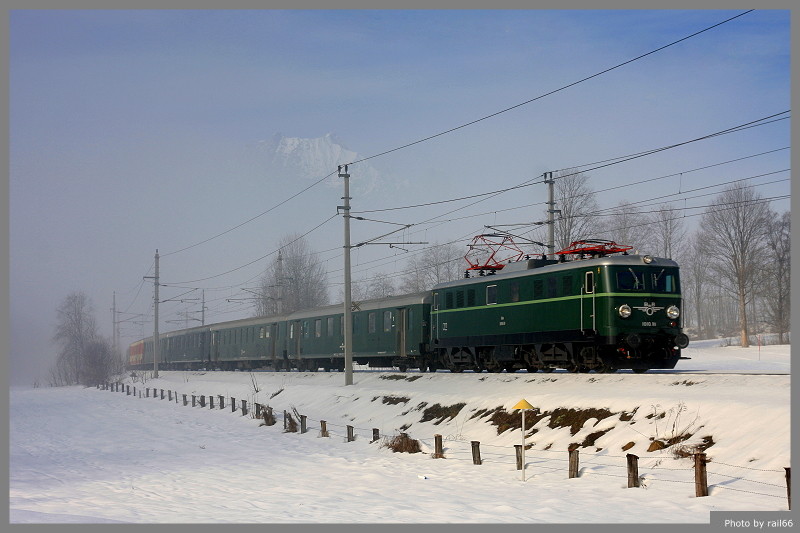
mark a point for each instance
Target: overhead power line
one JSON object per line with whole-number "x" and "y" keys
{"x": 617, "y": 160}
{"x": 549, "y": 93}
{"x": 252, "y": 218}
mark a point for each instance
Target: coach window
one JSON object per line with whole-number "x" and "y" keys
{"x": 330, "y": 326}
{"x": 371, "y": 323}
{"x": 291, "y": 330}
{"x": 261, "y": 332}
{"x": 387, "y": 321}
{"x": 491, "y": 294}
{"x": 318, "y": 328}
{"x": 306, "y": 331}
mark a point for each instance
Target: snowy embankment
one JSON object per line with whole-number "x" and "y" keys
{"x": 87, "y": 455}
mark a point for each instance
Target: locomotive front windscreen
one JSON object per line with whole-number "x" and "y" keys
{"x": 660, "y": 280}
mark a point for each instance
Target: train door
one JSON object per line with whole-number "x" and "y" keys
{"x": 273, "y": 334}
{"x": 588, "y": 304}
{"x": 401, "y": 332}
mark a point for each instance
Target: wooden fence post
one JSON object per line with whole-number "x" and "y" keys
{"x": 518, "y": 449}
{"x": 350, "y": 436}
{"x": 633, "y": 470}
{"x": 438, "y": 450}
{"x": 476, "y": 453}
{"x": 202, "y": 400}
{"x": 573, "y": 463}
{"x": 244, "y": 407}
{"x": 789, "y": 486}
{"x": 147, "y": 392}
{"x": 221, "y": 401}
{"x": 303, "y": 424}
{"x": 127, "y": 390}
{"x": 376, "y": 434}
{"x": 233, "y": 404}
{"x": 323, "y": 429}
{"x": 193, "y": 400}
{"x": 285, "y": 420}
{"x": 184, "y": 400}
{"x": 169, "y": 395}
{"x": 700, "y": 477}
{"x": 258, "y": 410}
{"x": 210, "y": 401}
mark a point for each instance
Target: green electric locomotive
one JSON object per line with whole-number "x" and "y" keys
{"x": 600, "y": 311}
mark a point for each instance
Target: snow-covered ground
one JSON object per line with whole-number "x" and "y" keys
{"x": 93, "y": 456}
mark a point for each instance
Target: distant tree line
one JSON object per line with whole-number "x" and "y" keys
{"x": 734, "y": 268}
{"x": 84, "y": 357}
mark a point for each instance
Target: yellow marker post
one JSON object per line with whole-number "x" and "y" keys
{"x": 523, "y": 405}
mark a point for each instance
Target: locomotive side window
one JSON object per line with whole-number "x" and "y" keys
{"x": 538, "y": 289}
{"x": 566, "y": 285}
{"x": 589, "y": 285}
{"x": 471, "y": 298}
{"x": 460, "y": 299}
{"x": 552, "y": 287}
{"x": 435, "y": 301}
{"x": 515, "y": 291}
{"x": 491, "y": 294}
{"x": 448, "y": 300}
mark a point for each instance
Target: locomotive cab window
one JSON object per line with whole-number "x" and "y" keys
{"x": 630, "y": 280}
{"x": 664, "y": 281}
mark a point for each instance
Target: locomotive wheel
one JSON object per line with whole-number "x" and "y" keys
{"x": 548, "y": 369}
{"x": 402, "y": 368}
{"x": 532, "y": 369}
{"x": 640, "y": 370}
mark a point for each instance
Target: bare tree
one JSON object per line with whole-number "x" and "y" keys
{"x": 85, "y": 357}
{"x": 76, "y": 327}
{"x": 667, "y": 230}
{"x": 624, "y": 224}
{"x": 295, "y": 280}
{"x": 379, "y": 285}
{"x": 734, "y": 230}
{"x": 694, "y": 284}
{"x": 436, "y": 264}
{"x": 576, "y": 200}
{"x": 777, "y": 274}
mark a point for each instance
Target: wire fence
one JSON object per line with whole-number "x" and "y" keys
{"x": 545, "y": 461}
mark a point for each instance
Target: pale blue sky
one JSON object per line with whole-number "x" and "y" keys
{"x": 127, "y": 128}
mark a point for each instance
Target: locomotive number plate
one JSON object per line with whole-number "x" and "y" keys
{"x": 648, "y": 324}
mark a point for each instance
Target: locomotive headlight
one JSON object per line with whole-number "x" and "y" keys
{"x": 673, "y": 312}
{"x": 647, "y": 259}
{"x": 624, "y": 310}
